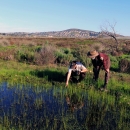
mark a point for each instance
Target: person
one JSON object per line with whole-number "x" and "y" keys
{"x": 100, "y": 60}
{"x": 76, "y": 69}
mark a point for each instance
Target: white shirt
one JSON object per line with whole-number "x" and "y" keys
{"x": 79, "y": 67}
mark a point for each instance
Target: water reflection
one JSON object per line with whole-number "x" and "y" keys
{"x": 74, "y": 102}
{"x": 27, "y": 107}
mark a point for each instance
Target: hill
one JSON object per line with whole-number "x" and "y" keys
{"x": 69, "y": 33}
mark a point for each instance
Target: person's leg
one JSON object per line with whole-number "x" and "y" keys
{"x": 96, "y": 73}
{"x": 107, "y": 75}
{"x": 106, "y": 80}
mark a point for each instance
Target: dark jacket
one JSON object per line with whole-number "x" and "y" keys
{"x": 101, "y": 60}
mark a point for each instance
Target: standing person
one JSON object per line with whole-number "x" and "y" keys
{"x": 76, "y": 69}
{"x": 100, "y": 60}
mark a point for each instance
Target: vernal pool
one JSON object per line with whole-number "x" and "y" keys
{"x": 57, "y": 108}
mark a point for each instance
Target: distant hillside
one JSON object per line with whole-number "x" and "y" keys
{"x": 69, "y": 33}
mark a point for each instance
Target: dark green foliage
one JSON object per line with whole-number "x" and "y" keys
{"x": 63, "y": 56}
{"x": 25, "y": 56}
{"x": 124, "y": 65}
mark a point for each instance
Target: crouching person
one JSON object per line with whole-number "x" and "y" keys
{"x": 76, "y": 72}
{"x": 100, "y": 60}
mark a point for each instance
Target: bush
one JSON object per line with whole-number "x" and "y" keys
{"x": 81, "y": 55}
{"x": 45, "y": 55}
{"x": 126, "y": 49}
{"x": 25, "y": 56}
{"x": 63, "y": 56}
{"x": 98, "y": 46}
{"x": 124, "y": 65}
{"x": 7, "y": 55}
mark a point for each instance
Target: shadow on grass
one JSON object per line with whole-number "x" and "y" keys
{"x": 49, "y": 75}
{"x": 114, "y": 69}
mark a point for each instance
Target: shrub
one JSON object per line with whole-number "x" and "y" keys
{"x": 7, "y": 55}
{"x": 25, "y": 56}
{"x": 124, "y": 65}
{"x": 4, "y": 42}
{"x": 126, "y": 48}
{"x": 98, "y": 46}
{"x": 45, "y": 55}
{"x": 63, "y": 56}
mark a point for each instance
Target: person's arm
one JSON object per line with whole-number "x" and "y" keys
{"x": 68, "y": 77}
{"x": 84, "y": 69}
{"x": 106, "y": 66}
{"x": 104, "y": 58}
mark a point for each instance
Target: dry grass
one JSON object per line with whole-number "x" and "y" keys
{"x": 78, "y": 44}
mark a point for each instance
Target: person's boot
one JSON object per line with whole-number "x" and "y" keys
{"x": 104, "y": 88}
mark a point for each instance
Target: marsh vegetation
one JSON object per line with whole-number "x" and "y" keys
{"x": 33, "y": 93}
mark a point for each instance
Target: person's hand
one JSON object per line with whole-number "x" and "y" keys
{"x": 66, "y": 85}
{"x": 107, "y": 70}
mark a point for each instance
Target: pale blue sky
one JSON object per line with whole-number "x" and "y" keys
{"x": 58, "y": 15}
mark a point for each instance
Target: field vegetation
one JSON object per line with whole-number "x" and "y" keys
{"x": 44, "y": 62}
{"x": 42, "y": 57}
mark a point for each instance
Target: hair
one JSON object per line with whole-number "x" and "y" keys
{"x": 73, "y": 63}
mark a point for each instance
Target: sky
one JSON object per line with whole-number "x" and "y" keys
{"x": 59, "y": 15}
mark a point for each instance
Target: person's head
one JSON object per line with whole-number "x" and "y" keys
{"x": 73, "y": 64}
{"x": 92, "y": 54}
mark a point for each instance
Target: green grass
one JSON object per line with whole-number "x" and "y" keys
{"x": 22, "y": 73}
{"x": 98, "y": 103}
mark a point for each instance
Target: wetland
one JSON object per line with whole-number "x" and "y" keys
{"x": 33, "y": 95}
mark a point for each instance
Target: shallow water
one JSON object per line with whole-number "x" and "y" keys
{"x": 31, "y": 107}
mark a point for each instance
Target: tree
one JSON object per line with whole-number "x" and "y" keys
{"x": 109, "y": 30}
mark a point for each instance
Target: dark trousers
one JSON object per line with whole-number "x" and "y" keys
{"x": 76, "y": 78}
{"x": 96, "y": 75}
